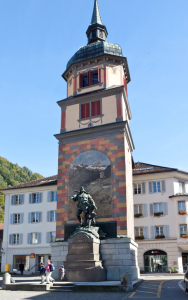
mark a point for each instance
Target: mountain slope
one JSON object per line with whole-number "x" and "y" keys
{"x": 11, "y": 174}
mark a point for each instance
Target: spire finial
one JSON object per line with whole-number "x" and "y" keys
{"x": 96, "y": 17}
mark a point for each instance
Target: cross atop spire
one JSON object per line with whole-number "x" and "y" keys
{"x": 96, "y": 17}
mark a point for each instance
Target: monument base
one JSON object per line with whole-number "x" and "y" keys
{"x": 83, "y": 262}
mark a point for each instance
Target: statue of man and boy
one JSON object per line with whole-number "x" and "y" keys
{"x": 86, "y": 204}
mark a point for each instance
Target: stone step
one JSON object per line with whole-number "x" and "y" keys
{"x": 61, "y": 288}
{"x": 82, "y": 264}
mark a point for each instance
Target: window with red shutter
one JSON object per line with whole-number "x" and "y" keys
{"x": 85, "y": 110}
{"x": 95, "y": 108}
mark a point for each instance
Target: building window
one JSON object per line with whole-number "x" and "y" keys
{"x": 16, "y": 239}
{"x": 138, "y": 209}
{"x": 100, "y": 34}
{"x": 35, "y": 217}
{"x": 156, "y": 187}
{"x": 158, "y": 208}
{"x": 18, "y": 200}
{"x": 16, "y": 218}
{"x": 34, "y": 238}
{"x": 183, "y": 229}
{"x": 54, "y": 196}
{"x": 53, "y": 216}
{"x": 182, "y": 187}
{"x": 94, "y": 78}
{"x": 91, "y": 109}
{"x": 181, "y": 206}
{"x": 35, "y": 198}
{"x": 84, "y": 81}
{"x": 139, "y": 231}
{"x": 159, "y": 230}
{"x": 137, "y": 188}
{"x": 52, "y": 237}
{"x": 93, "y": 34}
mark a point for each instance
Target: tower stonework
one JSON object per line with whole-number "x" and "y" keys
{"x": 95, "y": 141}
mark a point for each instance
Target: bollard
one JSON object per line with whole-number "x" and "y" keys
{"x": 6, "y": 280}
{"x": 127, "y": 282}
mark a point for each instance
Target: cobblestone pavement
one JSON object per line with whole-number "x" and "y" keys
{"x": 19, "y": 295}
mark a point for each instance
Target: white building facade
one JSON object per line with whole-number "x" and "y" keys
{"x": 161, "y": 219}
{"x": 29, "y": 224}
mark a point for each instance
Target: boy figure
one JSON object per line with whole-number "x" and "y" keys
{"x": 42, "y": 272}
{"x": 49, "y": 272}
{"x": 62, "y": 272}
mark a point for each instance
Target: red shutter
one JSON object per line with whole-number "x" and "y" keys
{"x": 96, "y": 109}
{"x": 63, "y": 118}
{"x": 85, "y": 111}
{"x": 99, "y": 75}
{"x": 80, "y": 80}
{"x": 119, "y": 107}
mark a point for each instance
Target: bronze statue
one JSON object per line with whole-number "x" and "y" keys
{"x": 86, "y": 205}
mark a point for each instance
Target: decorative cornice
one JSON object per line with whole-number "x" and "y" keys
{"x": 95, "y": 132}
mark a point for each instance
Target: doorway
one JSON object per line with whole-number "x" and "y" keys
{"x": 41, "y": 258}
{"x": 155, "y": 261}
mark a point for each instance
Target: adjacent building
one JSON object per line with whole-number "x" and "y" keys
{"x": 161, "y": 219}
{"x": 30, "y": 224}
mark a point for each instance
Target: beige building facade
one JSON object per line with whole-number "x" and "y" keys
{"x": 161, "y": 219}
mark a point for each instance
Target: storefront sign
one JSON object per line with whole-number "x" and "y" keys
{"x": 32, "y": 255}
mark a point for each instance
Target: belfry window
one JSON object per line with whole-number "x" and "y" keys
{"x": 90, "y": 78}
{"x": 84, "y": 81}
{"x": 94, "y": 34}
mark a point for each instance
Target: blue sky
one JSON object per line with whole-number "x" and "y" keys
{"x": 38, "y": 37}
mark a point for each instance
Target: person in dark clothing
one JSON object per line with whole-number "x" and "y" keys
{"x": 21, "y": 266}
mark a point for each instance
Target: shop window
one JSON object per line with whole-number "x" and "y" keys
{"x": 17, "y": 260}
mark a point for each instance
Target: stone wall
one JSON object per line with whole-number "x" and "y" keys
{"x": 118, "y": 256}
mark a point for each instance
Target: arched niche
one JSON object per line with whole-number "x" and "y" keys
{"x": 91, "y": 169}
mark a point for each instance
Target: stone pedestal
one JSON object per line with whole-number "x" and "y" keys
{"x": 83, "y": 262}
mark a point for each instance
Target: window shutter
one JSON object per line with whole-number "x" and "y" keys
{"x": 49, "y": 197}
{"x": 40, "y": 197}
{"x": 144, "y": 209}
{"x": 10, "y": 239}
{"x": 166, "y": 231}
{"x": 29, "y": 217}
{"x": 150, "y": 187}
{"x": 99, "y": 75}
{"x": 186, "y": 205}
{"x": 20, "y": 238}
{"x": 47, "y": 237}
{"x": 85, "y": 110}
{"x": 95, "y": 108}
{"x": 29, "y": 238}
{"x": 12, "y": 219}
{"x": 13, "y": 197}
{"x": 165, "y": 208}
{"x": 21, "y": 218}
{"x": 146, "y": 233}
{"x": 22, "y": 199}
{"x": 40, "y": 216}
{"x": 39, "y": 237}
{"x": 30, "y": 198}
{"x": 152, "y": 229}
{"x": 151, "y": 206}
{"x": 80, "y": 80}
{"x": 48, "y": 216}
{"x": 163, "y": 186}
{"x": 143, "y": 188}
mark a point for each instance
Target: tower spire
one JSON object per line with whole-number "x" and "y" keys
{"x": 96, "y": 17}
{"x": 96, "y": 31}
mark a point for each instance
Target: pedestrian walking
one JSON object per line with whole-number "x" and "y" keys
{"x": 21, "y": 267}
{"x": 42, "y": 272}
{"x": 49, "y": 269}
{"x": 62, "y": 272}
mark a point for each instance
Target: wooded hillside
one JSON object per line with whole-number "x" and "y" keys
{"x": 11, "y": 174}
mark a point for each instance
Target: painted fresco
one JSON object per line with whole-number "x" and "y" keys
{"x": 91, "y": 169}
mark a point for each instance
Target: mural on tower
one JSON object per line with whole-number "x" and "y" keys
{"x": 91, "y": 169}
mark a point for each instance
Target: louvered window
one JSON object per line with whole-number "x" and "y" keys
{"x": 95, "y": 108}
